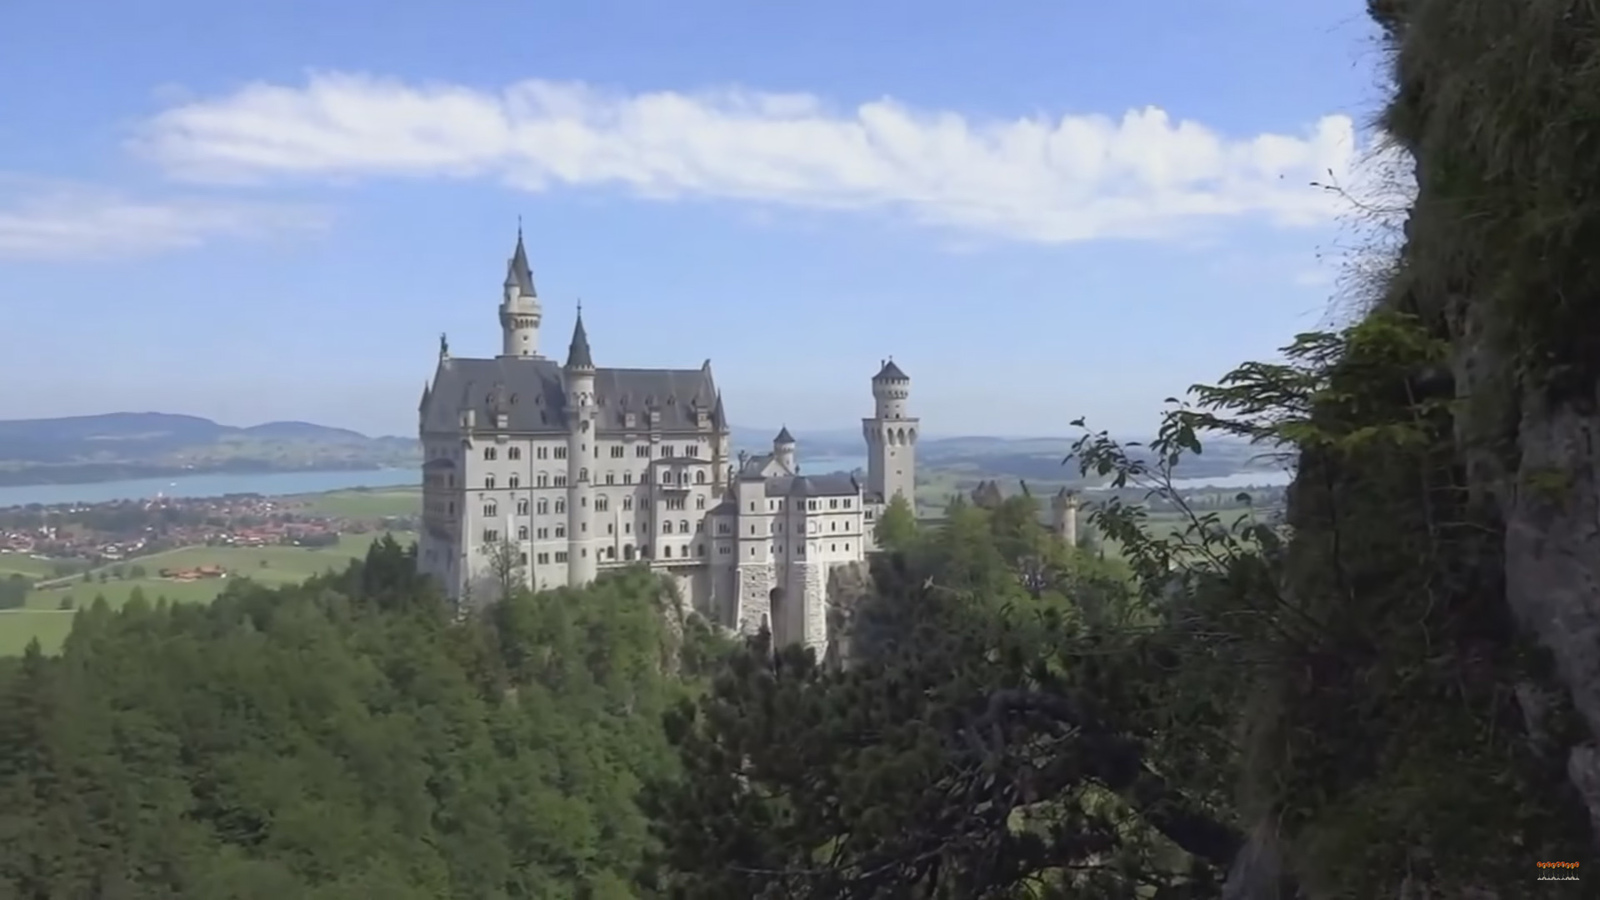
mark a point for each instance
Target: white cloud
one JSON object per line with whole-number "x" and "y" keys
{"x": 1040, "y": 178}
{"x": 78, "y": 223}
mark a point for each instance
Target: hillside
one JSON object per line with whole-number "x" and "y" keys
{"x": 113, "y": 446}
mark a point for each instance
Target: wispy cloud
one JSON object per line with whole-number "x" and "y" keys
{"x": 85, "y": 223}
{"x": 1041, "y": 178}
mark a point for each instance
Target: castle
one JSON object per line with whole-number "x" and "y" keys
{"x": 548, "y": 473}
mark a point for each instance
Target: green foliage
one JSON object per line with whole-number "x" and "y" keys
{"x": 897, "y": 525}
{"x": 344, "y": 738}
{"x": 992, "y": 735}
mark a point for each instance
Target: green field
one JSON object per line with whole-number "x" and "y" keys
{"x": 43, "y": 619}
{"x": 25, "y": 565}
{"x": 366, "y": 503}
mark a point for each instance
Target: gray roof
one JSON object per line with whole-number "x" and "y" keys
{"x": 890, "y": 372}
{"x": 578, "y": 356}
{"x": 836, "y": 484}
{"x": 518, "y": 274}
{"x": 784, "y": 437}
{"x": 534, "y": 393}
{"x": 751, "y": 470}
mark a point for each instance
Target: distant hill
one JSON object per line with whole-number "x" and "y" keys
{"x": 149, "y": 444}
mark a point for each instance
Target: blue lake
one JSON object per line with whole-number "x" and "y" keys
{"x": 269, "y": 484}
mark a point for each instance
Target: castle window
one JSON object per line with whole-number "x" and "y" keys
{"x": 722, "y": 528}
{"x": 561, "y": 556}
{"x": 522, "y": 507}
{"x": 833, "y": 504}
{"x": 601, "y": 504}
{"x": 514, "y": 481}
{"x": 541, "y": 453}
{"x": 683, "y": 526}
{"x": 611, "y": 528}
{"x": 490, "y": 535}
{"x": 561, "y": 479}
{"x": 666, "y": 451}
{"x": 611, "y": 478}
{"x": 544, "y": 559}
{"x": 490, "y": 510}
{"x": 561, "y": 531}
{"x": 488, "y": 482}
{"x": 523, "y": 560}
{"x": 833, "y": 547}
{"x": 666, "y": 527}
{"x": 522, "y": 532}
{"x": 544, "y": 507}
{"x": 544, "y": 534}
{"x": 867, "y": 515}
{"x": 627, "y": 552}
{"x": 700, "y": 477}
{"x": 642, "y": 451}
{"x": 700, "y": 502}
{"x": 561, "y": 453}
{"x": 542, "y": 479}
{"x": 847, "y": 503}
{"x": 583, "y": 475}
{"x": 561, "y": 506}
{"x": 666, "y": 552}
{"x": 627, "y": 478}
{"x": 699, "y": 526}
{"x": 513, "y": 453}
{"x": 699, "y": 549}
{"x": 724, "y": 550}
{"x": 691, "y": 450}
{"x": 847, "y": 548}
{"x": 616, "y": 451}
{"x": 611, "y": 553}
{"x": 627, "y": 503}
{"x": 488, "y": 453}
{"x": 811, "y": 505}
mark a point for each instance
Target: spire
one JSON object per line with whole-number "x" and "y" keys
{"x": 784, "y": 437}
{"x": 719, "y": 417}
{"x": 427, "y": 391}
{"x": 578, "y": 353}
{"x": 518, "y": 275}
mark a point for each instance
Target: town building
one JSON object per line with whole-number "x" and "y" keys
{"x": 551, "y": 472}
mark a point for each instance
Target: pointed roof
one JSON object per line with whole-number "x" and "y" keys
{"x": 427, "y": 392}
{"x": 890, "y": 372}
{"x": 518, "y": 275}
{"x": 578, "y": 356}
{"x": 719, "y": 416}
{"x": 784, "y": 437}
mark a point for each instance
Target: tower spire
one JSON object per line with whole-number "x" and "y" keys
{"x": 578, "y": 356}
{"x": 518, "y": 274}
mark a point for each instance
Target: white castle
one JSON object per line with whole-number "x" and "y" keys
{"x": 552, "y": 473}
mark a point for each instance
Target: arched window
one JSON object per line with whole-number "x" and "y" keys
{"x": 683, "y": 526}
{"x": 583, "y": 474}
{"x": 700, "y": 477}
{"x": 666, "y": 526}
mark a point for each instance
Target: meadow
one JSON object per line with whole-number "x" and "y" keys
{"x": 45, "y": 619}
{"x": 366, "y": 503}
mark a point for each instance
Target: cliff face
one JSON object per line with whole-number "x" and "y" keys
{"x": 1446, "y": 512}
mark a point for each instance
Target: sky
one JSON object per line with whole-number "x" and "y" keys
{"x": 271, "y": 209}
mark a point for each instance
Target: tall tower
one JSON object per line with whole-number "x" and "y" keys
{"x": 520, "y": 312}
{"x": 891, "y": 437}
{"x": 1064, "y": 516}
{"x": 582, "y": 561}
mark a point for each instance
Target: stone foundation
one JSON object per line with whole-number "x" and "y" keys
{"x": 754, "y": 598}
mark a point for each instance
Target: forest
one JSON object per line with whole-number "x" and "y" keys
{"x": 1390, "y": 690}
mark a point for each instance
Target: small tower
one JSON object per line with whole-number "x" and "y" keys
{"x": 783, "y": 450}
{"x": 582, "y": 548}
{"x": 1064, "y": 516}
{"x": 520, "y": 312}
{"x": 891, "y": 437}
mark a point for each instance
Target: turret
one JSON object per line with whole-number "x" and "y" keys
{"x": 1064, "y": 516}
{"x": 582, "y": 548}
{"x": 520, "y": 313}
{"x": 891, "y": 437}
{"x": 783, "y": 450}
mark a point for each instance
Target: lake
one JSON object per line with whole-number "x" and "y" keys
{"x": 215, "y": 485}
{"x": 269, "y": 484}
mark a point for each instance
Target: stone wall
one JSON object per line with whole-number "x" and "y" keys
{"x": 754, "y": 583}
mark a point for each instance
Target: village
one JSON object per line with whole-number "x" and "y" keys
{"x": 70, "y": 539}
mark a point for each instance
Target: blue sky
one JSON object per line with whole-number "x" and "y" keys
{"x": 270, "y": 209}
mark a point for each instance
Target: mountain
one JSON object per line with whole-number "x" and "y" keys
{"x": 149, "y": 444}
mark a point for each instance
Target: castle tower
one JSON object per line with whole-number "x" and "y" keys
{"x": 582, "y": 548}
{"x": 891, "y": 437}
{"x": 520, "y": 312}
{"x": 1064, "y": 516}
{"x": 783, "y": 450}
